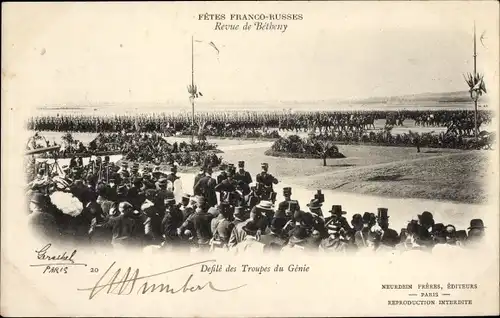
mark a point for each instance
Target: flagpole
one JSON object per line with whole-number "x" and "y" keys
{"x": 475, "y": 99}
{"x": 192, "y": 85}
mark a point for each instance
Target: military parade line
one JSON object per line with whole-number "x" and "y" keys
{"x": 233, "y": 212}
{"x": 342, "y": 127}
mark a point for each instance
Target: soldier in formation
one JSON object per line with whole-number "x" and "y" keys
{"x": 248, "y": 124}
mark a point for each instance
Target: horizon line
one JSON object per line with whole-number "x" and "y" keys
{"x": 214, "y": 101}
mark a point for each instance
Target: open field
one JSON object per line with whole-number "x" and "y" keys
{"x": 442, "y": 174}
{"x": 454, "y": 177}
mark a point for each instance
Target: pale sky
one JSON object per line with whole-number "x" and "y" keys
{"x": 139, "y": 53}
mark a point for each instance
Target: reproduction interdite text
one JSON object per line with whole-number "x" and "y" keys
{"x": 249, "y": 22}
{"x": 428, "y": 294}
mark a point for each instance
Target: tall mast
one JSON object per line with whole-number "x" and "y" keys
{"x": 475, "y": 48}
{"x": 475, "y": 99}
{"x": 192, "y": 85}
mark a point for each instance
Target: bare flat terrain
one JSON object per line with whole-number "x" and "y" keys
{"x": 434, "y": 174}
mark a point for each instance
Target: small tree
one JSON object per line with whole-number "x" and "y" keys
{"x": 327, "y": 147}
{"x": 201, "y": 131}
{"x": 416, "y": 139}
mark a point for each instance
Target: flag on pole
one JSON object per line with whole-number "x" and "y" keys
{"x": 212, "y": 45}
{"x": 476, "y": 85}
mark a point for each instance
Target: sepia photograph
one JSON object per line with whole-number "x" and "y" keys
{"x": 247, "y": 141}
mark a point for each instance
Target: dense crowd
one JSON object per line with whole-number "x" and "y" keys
{"x": 255, "y": 122}
{"x": 312, "y": 147}
{"x": 316, "y": 146}
{"x": 231, "y": 212}
{"x": 234, "y": 132}
{"x": 430, "y": 140}
{"x": 141, "y": 147}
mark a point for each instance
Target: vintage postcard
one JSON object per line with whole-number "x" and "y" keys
{"x": 250, "y": 159}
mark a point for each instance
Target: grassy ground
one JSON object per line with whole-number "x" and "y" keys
{"x": 454, "y": 177}
{"x": 356, "y": 156}
{"x": 435, "y": 174}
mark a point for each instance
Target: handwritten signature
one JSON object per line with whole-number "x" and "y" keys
{"x": 127, "y": 284}
{"x": 65, "y": 259}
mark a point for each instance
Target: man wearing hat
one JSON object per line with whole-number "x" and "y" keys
{"x": 438, "y": 233}
{"x": 333, "y": 242}
{"x": 216, "y": 211}
{"x": 121, "y": 194}
{"x": 241, "y": 175}
{"x": 135, "y": 194}
{"x": 222, "y": 174}
{"x": 43, "y": 223}
{"x": 206, "y": 188}
{"x": 315, "y": 207}
{"x": 172, "y": 220}
{"x": 250, "y": 242}
{"x": 199, "y": 175}
{"x": 256, "y": 215}
{"x": 337, "y": 217}
{"x": 185, "y": 206}
{"x": 287, "y": 194}
{"x": 252, "y": 199}
{"x": 267, "y": 180}
{"x": 113, "y": 183}
{"x": 389, "y": 236}
{"x": 373, "y": 240}
{"x": 153, "y": 222}
{"x": 147, "y": 182}
{"x": 125, "y": 177}
{"x": 476, "y": 231}
{"x": 239, "y": 215}
{"x": 101, "y": 231}
{"x": 172, "y": 177}
{"x": 103, "y": 198}
{"x": 134, "y": 171}
{"x": 222, "y": 226}
{"x": 128, "y": 227}
{"x": 317, "y": 222}
{"x": 162, "y": 192}
{"x": 274, "y": 241}
{"x": 426, "y": 220}
{"x": 357, "y": 222}
{"x": 451, "y": 234}
{"x": 298, "y": 241}
{"x": 226, "y": 187}
{"x": 199, "y": 222}
{"x": 266, "y": 208}
{"x": 293, "y": 217}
